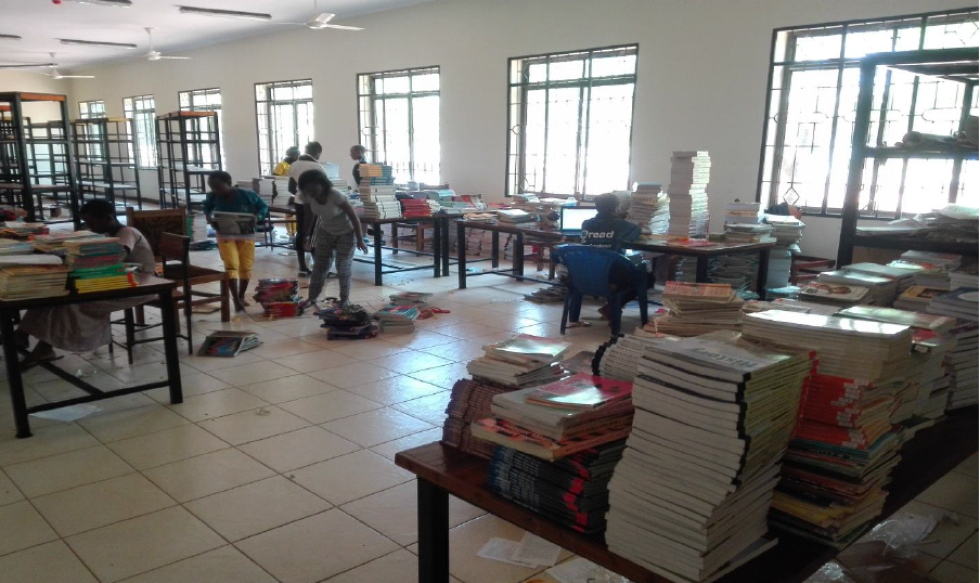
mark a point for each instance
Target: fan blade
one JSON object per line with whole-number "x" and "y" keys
{"x": 76, "y": 77}
{"x": 342, "y": 27}
{"x": 174, "y": 58}
{"x": 26, "y": 65}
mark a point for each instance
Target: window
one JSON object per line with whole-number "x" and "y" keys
{"x": 399, "y": 121}
{"x": 205, "y": 100}
{"x": 284, "y": 112}
{"x": 142, "y": 111}
{"x": 810, "y": 115}
{"x": 91, "y": 109}
{"x": 570, "y": 121}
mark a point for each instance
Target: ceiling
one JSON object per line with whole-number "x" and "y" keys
{"x": 42, "y": 22}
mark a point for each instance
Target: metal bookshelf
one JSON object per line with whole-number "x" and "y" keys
{"x": 107, "y": 160}
{"x": 955, "y": 65}
{"x": 36, "y": 159}
{"x": 188, "y": 149}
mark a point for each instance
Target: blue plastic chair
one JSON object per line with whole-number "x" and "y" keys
{"x": 588, "y": 274}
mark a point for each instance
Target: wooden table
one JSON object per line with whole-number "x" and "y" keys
{"x": 443, "y": 470}
{"x": 704, "y": 255}
{"x": 146, "y": 285}
{"x": 440, "y": 247}
{"x": 521, "y": 234}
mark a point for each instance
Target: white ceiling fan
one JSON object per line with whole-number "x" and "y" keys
{"x": 321, "y": 20}
{"x": 153, "y": 54}
{"x": 53, "y": 73}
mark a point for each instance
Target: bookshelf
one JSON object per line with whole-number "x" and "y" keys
{"x": 953, "y": 65}
{"x": 36, "y": 161}
{"x": 188, "y": 149}
{"x": 106, "y": 161}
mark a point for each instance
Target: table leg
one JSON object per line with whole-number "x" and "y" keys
{"x": 436, "y": 249}
{"x": 702, "y": 269}
{"x": 494, "y": 249}
{"x": 377, "y": 254}
{"x": 17, "y": 398}
{"x": 519, "y": 256}
{"x": 394, "y": 238}
{"x": 445, "y": 247}
{"x": 225, "y": 302}
{"x": 461, "y": 253}
{"x": 763, "y": 273}
{"x": 433, "y": 519}
{"x": 169, "y": 315}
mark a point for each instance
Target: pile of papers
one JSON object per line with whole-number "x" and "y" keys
{"x": 713, "y": 417}
{"x": 521, "y": 361}
{"x": 689, "y": 176}
{"x": 649, "y": 208}
{"x": 961, "y": 364}
{"x": 469, "y": 401}
{"x": 96, "y": 265}
{"x": 395, "y": 319}
{"x": 20, "y": 282}
{"x": 618, "y": 358}
{"x": 278, "y": 297}
{"x": 698, "y": 308}
{"x": 882, "y": 290}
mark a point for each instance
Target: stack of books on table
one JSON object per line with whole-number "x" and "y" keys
{"x": 698, "y": 308}
{"x": 395, "y": 319}
{"x": 649, "y": 208}
{"x": 21, "y": 282}
{"x": 933, "y": 267}
{"x": 964, "y": 278}
{"x": 14, "y": 247}
{"x": 742, "y": 213}
{"x": 379, "y": 200}
{"x": 689, "y": 176}
{"x": 279, "y": 297}
{"x": 469, "y": 401}
{"x": 747, "y": 233}
{"x": 882, "y": 290}
{"x": 97, "y": 265}
{"x": 835, "y": 294}
{"x": 415, "y": 208}
{"x": 960, "y": 303}
{"x": 618, "y": 358}
{"x": 917, "y": 298}
{"x": 22, "y": 231}
{"x": 55, "y": 242}
{"x": 515, "y": 216}
{"x": 961, "y": 364}
{"x": 522, "y": 361}
{"x": 786, "y": 229}
{"x": 713, "y": 417}
{"x": 904, "y": 278}
{"x": 844, "y": 447}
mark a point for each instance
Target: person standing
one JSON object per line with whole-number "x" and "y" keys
{"x": 337, "y": 233}
{"x": 310, "y": 160}
{"x": 358, "y": 153}
{"x": 282, "y": 168}
{"x": 237, "y": 250}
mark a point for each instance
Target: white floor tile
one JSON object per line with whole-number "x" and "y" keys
{"x": 316, "y": 360}
{"x": 46, "y": 441}
{"x": 409, "y": 362}
{"x": 253, "y": 425}
{"x": 398, "y": 567}
{"x": 390, "y": 448}
{"x": 431, "y": 409}
{"x": 395, "y": 390}
{"x": 297, "y": 449}
{"x": 190, "y": 385}
{"x": 966, "y": 554}
{"x": 8, "y": 491}
{"x": 116, "y": 425}
{"x": 282, "y": 348}
{"x": 224, "y": 565}
{"x": 442, "y": 376}
{"x": 167, "y": 446}
{"x": 217, "y": 404}
{"x": 67, "y": 470}
{"x": 948, "y": 572}
{"x": 347, "y": 478}
{"x": 207, "y": 474}
{"x": 376, "y": 427}
{"x": 48, "y": 563}
{"x": 256, "y": 372}
{"x": 329, "y": 406}
{"x": 23, "y": 527}
{"x": 288, "y": 388}
{"x": 350, "y": 375}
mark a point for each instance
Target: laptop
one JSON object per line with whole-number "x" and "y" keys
{"x": 571, "y": 219}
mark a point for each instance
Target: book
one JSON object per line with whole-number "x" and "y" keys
{"x": 228, "y": 343}
{"x": 525, "y": 348}
{"x": 226, "y": 223}
{"x": 581, "y": 391}
{"x": 507, "y": 434}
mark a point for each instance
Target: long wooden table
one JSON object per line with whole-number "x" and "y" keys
{"x": 522, "y": 234}
{"x": 440, "y": 247}
{"x": 146, "y": 285}
{"x": 443, "y": 470}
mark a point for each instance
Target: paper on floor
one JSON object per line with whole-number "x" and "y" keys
{"x": 534, "y": 549}
{"x": 500, "y": 549}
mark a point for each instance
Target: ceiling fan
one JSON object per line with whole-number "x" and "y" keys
{"x": 153, "y": 54}
{"x": 321, "y": 20}
{"x": 53, "y": 73}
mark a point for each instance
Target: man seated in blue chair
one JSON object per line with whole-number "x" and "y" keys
{"x": 609, "y": 230}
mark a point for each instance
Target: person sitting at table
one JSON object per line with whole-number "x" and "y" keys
{"x": 338, "y": 231}
{"x": 84, "y": 327}
{"x": 237, "y": 250}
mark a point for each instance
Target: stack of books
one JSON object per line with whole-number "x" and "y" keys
{"x": 379, "y": 201}
{"x": 961, "y": 364}
{"x": 618, "y": 358}
{"x": 14, "y": 247}
{"x": 960, "y": 303}
{"x": 22, "y": 231}
{"x": 882, "y": 290}
{"x": 228, "y": 343}
{"x": 786, "y": 229}
{"x": 739, "y": 270}
{"x": 415, "y": 207}
{"x": 407, "y": 298}
{"x": 789, "y": 305}
{"x": 395, "y": 319}
{"x": 742, "y": 213}
{"x": 351, "y": 322}
{"x": 964, "y": 278}
{"x": 835, "y": 294}
{"x": 747, "y": 233}
{"x": 97, "y": 265}
{"x": 698, "y": 308}
{"x": 689, "y": 175}
{"x": 469, "y": 401}
{"x": 573, "y": 490}
{"x": 917, "y": 298}
{"x": 903, "y": 278}
{"x": 548, "y": 293}
{"x": 521, "y": 361}
{"x": 21, "y": 282}
{"x": 54, "y": 243}
{"x": 933, "y": 267}
{"x": 515, "y": 216}
{"x": 649, "y": 208}
{"x": 713, "y": 417}
{"x": 279, "y": 297}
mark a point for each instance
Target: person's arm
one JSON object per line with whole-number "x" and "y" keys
{"x": 631, "y": 231}
{"x": 208, "y": 206}
{"x": 293, "y": 188}
{"x": 356, "y": 222}
{"x": 308, "y": 218}
{"x": 260, "y": 206}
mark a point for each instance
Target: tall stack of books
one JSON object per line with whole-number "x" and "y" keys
{"x": 279, "y": 297}
{"x": 377, "y": 192}
{"x": 522, "y": 361}
{"x": 469, "y": 401}
{"x": 961, "y": 364}
{"x": 96, "y": 265}
{"x": 689, "y": 176}
{"x": 649, "y": 208}
{"x": 396, "y": 319}
{"x": 713, "y": 417}
{"x": 698, "y": 308}
{"x": 844, "y": 448}
{"x": 21, "y": 282}
{"x": 618, "y": 358}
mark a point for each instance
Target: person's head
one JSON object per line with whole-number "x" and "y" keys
{"x": 292, "y": 154}
{"x": 315, "y": 184}
{"x": 99, "y": 216}
{"x": 607, "y": 204}
{"x": 357, "y": 152}
{"x": 220, "y": 183}
{"x": 314, "y": 149}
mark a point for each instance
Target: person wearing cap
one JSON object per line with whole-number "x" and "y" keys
{"x": 282, "y": 168}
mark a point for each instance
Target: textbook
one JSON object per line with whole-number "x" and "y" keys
{"x": 233, "y": 223}
{"x": 228, "y": 343}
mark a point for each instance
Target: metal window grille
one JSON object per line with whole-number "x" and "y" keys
{"x": 399, "y": 121}
{"x": 570, "y": 121}
{"x": 205, "y": 100}
{"x": 91, "y": 109}
{"x": 284, "y": 114}
{"x": 812, "y": 98}
{"x": 142, "y": 110}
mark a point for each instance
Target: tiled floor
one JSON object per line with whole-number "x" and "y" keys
{"x": 278, "y": 466}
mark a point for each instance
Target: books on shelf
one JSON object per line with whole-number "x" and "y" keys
{"x": 228, "y": 343}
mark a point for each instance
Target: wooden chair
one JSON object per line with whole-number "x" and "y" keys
{"x": 154, "y": 224}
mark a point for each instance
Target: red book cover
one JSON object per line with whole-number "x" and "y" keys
{"x": 582, "y": 391}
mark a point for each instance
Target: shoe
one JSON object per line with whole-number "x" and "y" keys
{"x": 302, "y": 273}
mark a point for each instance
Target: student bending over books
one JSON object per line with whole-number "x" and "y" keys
{"x": 236, "y": 245}
{"x": 84, "y": 327}
{"x": 337, "y": 232}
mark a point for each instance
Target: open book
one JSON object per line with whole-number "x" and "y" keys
{"x": 233, "y": 223}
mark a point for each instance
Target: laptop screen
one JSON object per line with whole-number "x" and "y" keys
{"x": 573, "y": 217}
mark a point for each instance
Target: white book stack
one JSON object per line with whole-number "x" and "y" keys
{"x": 961, "y": 364}
{"x": 904, "y": 278}
{"x": 787, "y": 230}
{"x": 619, "y": 357}
{"x": 713, "y": 417}
{"x": 881, "y": 289}
{"x": 649, "y": 208}
{"x": 521, "y": 361}
{"x": 698, "y": 308}
{"x": 737, "y": 213}
{"x": 379, "y": 200}
{"x": 689, "y": 176}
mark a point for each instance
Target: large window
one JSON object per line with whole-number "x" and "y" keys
{"x": 399, "y": 121}
{"x": 284, "y": 112}
{"x": 91, "y": 109}
{"x": 142, "y": 111}
{"x": 570, "y": 121}
{"x": 205, "y": 100}
{"x": 810, "y": 116}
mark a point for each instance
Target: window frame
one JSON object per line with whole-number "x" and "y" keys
{"x": 141, "y": 163}
{"x": 86, "y": 113}
{"x": 374, "y": 97}
{"x": 586, "y": 82}
{"x": 270, "y": 85}
{"x": 209, "y": 91}
{"x": 766, "y": 185}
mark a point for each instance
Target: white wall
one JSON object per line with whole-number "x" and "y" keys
{"x": 22, "y": 81}
{"x": 702, "y": 74}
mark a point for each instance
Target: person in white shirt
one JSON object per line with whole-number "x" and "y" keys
{"x": 310, "y": 160}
